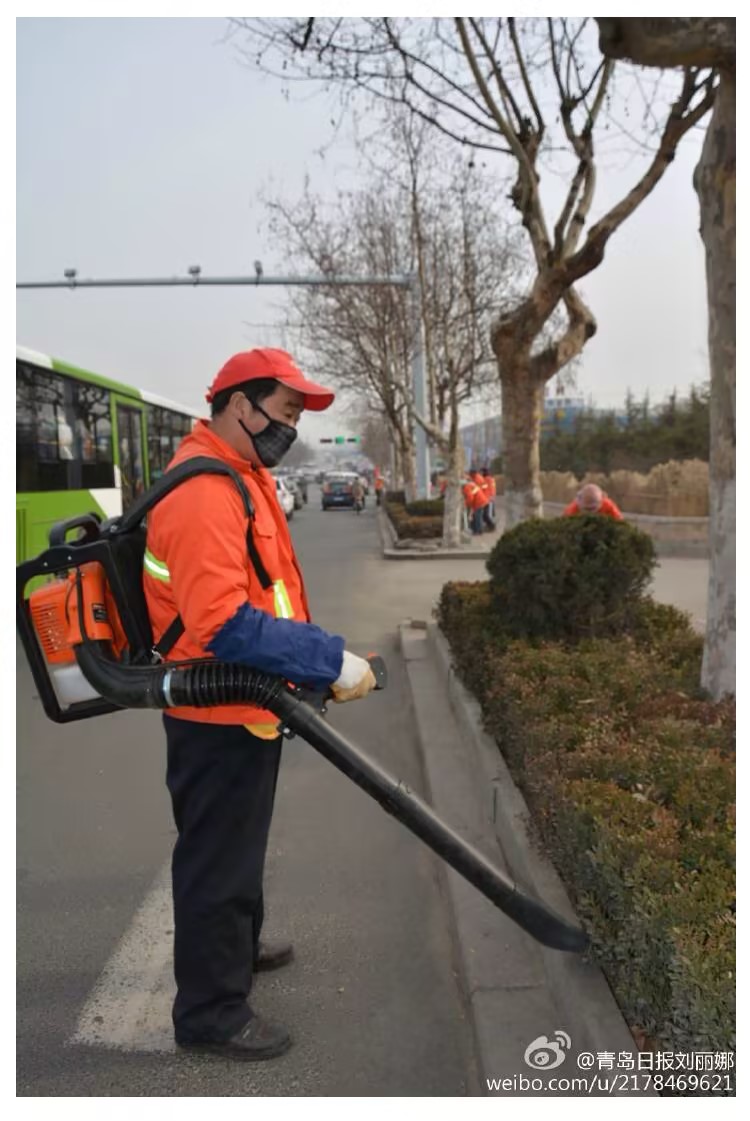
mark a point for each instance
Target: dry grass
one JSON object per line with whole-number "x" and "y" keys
{"x": 678, "y": 489}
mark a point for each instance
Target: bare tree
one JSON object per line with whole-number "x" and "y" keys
{"x": 536, "y": 91}
{"x": 680, "y": 42}
{"x": 357, "y": 337}
{"x": 363, "y": 337}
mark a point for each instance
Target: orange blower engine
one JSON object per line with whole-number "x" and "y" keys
{"x": 64, "y": 613}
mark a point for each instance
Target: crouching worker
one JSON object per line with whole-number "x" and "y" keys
{"x": 241, "y": 598}
{"x": 591, "y": 499}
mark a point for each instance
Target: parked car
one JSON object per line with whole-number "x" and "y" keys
{"x": 298, "y": 486}
{"x": 293, "y": 485}
{"x": 337, "y": 491}
{"x": 349, "y": 477}
{"x": 285, "y": 497}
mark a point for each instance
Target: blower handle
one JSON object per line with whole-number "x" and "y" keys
{"x": 380, "y": 673}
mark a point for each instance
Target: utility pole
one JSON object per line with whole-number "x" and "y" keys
{"x": 196, "y": 280}
{"x": 419, "y": 388}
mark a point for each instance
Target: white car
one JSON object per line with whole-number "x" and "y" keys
{"x": 285, "y": 497}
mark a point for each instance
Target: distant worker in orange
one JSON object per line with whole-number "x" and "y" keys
{"x": 468, "y": 489}
{"x": 490, "y": 489}
{"x": 476, "y": 500}
{"x": 379, "y": 487}
{"x": 591, "y": 499}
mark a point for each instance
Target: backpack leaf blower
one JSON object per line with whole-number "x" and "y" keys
{"x": 88, "y": 641}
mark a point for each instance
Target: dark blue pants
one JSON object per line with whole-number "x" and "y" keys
{"x": 222, "y": 782}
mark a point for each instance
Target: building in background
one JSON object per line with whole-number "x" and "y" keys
{"x": 483, "y": 440}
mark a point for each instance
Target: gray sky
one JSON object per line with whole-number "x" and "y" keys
{"x": 141, "y": 147}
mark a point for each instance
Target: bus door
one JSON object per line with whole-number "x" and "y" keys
{"x": 130, "y": 445}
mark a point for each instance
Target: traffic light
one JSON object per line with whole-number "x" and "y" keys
{"x": 339, "y": 439}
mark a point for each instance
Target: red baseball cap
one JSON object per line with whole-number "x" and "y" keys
{"x": 267, "y": 362}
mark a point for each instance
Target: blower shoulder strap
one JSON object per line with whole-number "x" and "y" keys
{"x": 197, "y": 465}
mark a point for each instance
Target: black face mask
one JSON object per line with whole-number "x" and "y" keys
{"x": 272, "y": 444}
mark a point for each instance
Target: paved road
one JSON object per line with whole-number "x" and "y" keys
{"x": 373, "y": 998}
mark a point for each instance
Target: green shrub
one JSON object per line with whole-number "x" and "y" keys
{"x": 426, "y": 507}
{"x": 570, "y": 577}
{"x": 406, "y": 526}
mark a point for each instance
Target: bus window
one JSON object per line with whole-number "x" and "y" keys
{"x": 131, "y": 453}
{"x": 63, "y": 433}
{"x": 166, "y": 430}
{"x": 93, "y": 430}
{"x": 45, "y": 456}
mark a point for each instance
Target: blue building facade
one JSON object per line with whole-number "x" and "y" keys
{"x": 483, "y": 440}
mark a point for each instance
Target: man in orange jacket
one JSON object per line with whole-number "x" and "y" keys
{"x": 591, "y": 499}
{"x": 239, "y": 594}
{"x": 486, "y": 481}
{"x": 476, "y": 500}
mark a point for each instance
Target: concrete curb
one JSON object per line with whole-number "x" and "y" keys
{"x": 516, "y": 989}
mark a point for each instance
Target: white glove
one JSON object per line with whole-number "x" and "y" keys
{"x": 355, "y": 680}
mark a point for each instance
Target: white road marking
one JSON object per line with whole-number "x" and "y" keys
{"x": 131, "y": 1006}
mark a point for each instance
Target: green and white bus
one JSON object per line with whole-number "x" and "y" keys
{"x": 84, "y": 443}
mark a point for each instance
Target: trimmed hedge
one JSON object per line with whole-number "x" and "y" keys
{"x": 629, "y": 775}
{"x": 425, "y": 508}
{"x": 416, "y": 527}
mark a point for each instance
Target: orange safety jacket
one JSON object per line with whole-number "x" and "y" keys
{"x": 608, "y": 509}
{"x": 480, "y": 499}
{"x": 468, "y": 490}
{"x": 197, "y": 564}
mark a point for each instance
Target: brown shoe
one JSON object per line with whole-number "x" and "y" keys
{"x": 259, "y": 1039}
{"x": 272, "y": 955}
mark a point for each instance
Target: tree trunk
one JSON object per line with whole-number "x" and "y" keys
{"x": 397, "y": 474}
{"x": 715, "y": 183}
{"x": 409, "y": 470}
{"x": 522, "y": 401}
{"x": 454, "y": 499}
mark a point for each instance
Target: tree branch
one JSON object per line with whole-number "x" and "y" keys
{"x": 704, "y": 42}
{"x": 502, "y": 85}
{"x": 592, "y": 252}
{"x": 581, "y": 327}
{"x": 525, "y": 77}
